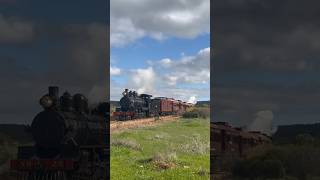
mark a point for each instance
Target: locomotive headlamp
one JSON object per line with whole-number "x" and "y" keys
{"x": 46, "y": 102}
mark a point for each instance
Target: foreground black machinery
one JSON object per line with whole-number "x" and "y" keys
{"x": 70, "y": 140}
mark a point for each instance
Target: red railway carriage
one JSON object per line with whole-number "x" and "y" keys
{"x": 184, "y": 106}
{"x": 234, "y": 141}
{"x": 181, "y": 106}
{"x": 225, "y": 139}
{"x": 175, "y": 106}
{"x": 166, "y": 106}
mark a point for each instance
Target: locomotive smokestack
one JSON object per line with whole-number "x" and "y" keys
{"x": 54, "y": 94}
{"x": 125, "y": 92}
{"x": 54, "y": 91}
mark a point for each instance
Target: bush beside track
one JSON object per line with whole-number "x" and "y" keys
{"x": 197, "y": 112}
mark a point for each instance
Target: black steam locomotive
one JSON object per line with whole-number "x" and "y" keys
{"x": 132, "y": 102}
{"x": 70, "y": 140}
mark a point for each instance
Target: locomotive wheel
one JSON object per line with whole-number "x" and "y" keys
{"x": 91, "y": 167}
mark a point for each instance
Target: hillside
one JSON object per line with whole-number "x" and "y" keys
{"x": 114, "y": 103}
{"x": 288, "y": 133}
{"x": 203, "y": 103}
{"x": 16, "y": 132}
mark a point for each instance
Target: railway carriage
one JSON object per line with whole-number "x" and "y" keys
{"x": 230, "y": 141}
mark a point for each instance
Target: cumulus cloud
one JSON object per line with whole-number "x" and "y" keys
{"x": 115, "y": 71}
{"x": 143, "y": 80}
{"x": 123, "y": 32}
{"x": 14, "y": 30}
{"x": 160, "y": 19}
{"x": 266, "y": 58}
{"x": 188, "y": 69}
{"x": 84, "y": 58}
{"x": 79, "y": 66}
{"x": 166, "y": 77}
{"x": 166, "y": 62}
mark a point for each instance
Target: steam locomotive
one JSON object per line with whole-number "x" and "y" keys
{"x": 70, "y": 140}
{"x": 134, "y": 106}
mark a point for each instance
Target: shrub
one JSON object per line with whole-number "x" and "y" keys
{"x": 304, "y": 139}
{"x": 258, "y": 168}
{"x": 126, "y": 143}
{"x": 165, "y": 160}
{"x": 197, "y": 112}
{"x": 299, "y": 161}
{"x": 190, "y": 114}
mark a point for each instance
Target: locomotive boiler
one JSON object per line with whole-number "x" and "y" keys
{"x": 131, "y": 101}
{"x": 134, "y": 105}
{"x": 70, "y": 140}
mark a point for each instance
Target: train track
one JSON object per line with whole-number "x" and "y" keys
{"x": 116, "y": 126}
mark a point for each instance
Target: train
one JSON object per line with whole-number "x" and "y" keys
{"x": 230, "y": 141}
{"x": 135, "y": 106}
{"x": 70, "y": 140}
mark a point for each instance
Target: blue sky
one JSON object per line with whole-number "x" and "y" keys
{"x": 168, "y": 58}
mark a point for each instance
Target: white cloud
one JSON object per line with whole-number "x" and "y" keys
{"x": 115, "y": 90}
{"x": 166, "y": 62}
{"x": 13, "y": 30}
{"x": 123, "y": 32}
{"x": 143, "y": 80}
{"x": 183, "y": 94}
{"x": 115, "y": 71}
{"x": 131, "y": 20}
{"x": 171, "y": 78}
{"x": 188, "y": 69}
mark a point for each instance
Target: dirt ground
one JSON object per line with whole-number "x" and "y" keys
{"x": 116, "y": 126}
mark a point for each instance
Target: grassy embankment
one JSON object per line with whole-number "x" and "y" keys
{"x": 295, "y": 161}
{"x": 172, "y": 150}
{"x": 8, "y": 150}
{"x": 11, "y": 136}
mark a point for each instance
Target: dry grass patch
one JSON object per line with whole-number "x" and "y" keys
{"x": 202, "y": 172}
{"x": 196, "y": 145}
{"x": 165, "y": 160}
{"x": 127, "y": 143}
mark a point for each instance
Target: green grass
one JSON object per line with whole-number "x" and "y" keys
{"x": 172, "y": 150}
{"x": 8, "y": 150}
